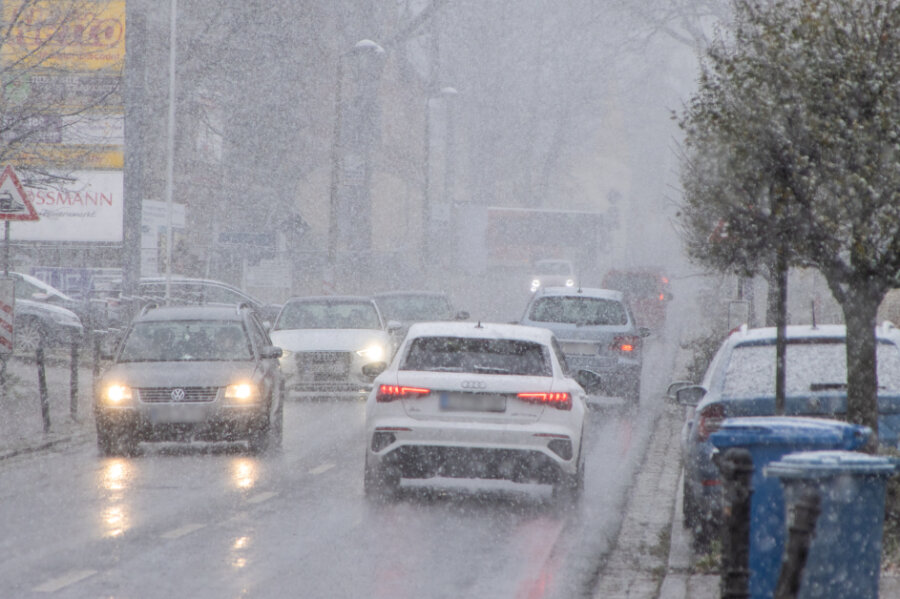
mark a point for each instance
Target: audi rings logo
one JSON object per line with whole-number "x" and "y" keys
{"x": 474, "y": 385}
{"x": 177, "y": 394}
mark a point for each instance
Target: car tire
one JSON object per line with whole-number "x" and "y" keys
{"x": 30, "y": 334}
{"x": 258, "y": 441}
{"x": 278, "y": 428}
{"x": 633, "y": 390}
{"x": 689, "y": 506}
{"x": 568, "y": 489}
{"x": 380, "y": 483}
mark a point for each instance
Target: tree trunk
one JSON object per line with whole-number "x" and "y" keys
{"x": 860, "y": 310}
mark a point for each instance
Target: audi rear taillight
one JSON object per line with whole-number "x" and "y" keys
{"x": 392, "y": 392}
{"x": 558, "y": 400}
{"x": 626, "y": 343}
{"x": 710, "y": 420}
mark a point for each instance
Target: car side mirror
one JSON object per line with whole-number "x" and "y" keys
{"x": 394, "y": 325}
{"x": 589, "y": 380}
{"x": 690, "y": 396}
{"x": 644, "y": 332}
{"x": 270, "y": 352}
{"x": 462, "y": 315}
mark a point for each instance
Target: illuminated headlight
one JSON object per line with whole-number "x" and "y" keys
{"x": 115, "y": 394}
{"x": 570, "y": 282}
{"x": 373, "y": 353}
{"x": 535, "y": 284}
{"x": 244, "y": 392}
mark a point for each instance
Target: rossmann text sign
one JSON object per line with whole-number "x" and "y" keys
{"x": 88, "y": 208}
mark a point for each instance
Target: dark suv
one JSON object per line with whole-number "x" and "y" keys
{"x": 191, "y": 372}
{"x": 596, "y": 332}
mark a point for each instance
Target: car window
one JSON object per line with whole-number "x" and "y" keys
{"x": 578, "y": 310}
{"x": 810, "y": 367}
{"x": 462, "y": 354}
{"x": 328, "y": 315}
{"x": 185, "y": 340}
{"x": 415, "y": 307}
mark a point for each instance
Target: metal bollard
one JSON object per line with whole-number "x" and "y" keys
{"x": 73, "y": 382}
{"x": 801, "y": 530}
{"x": 42, "y": 387}
{"x": 736, "y": 466}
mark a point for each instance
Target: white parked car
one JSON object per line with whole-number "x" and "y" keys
{"x": 477, "y": 400}
{"x": 331, "y": 345}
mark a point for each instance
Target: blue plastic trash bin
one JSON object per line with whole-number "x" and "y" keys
{"x": 768, "y": 439}
{"x": 844, "y": 559}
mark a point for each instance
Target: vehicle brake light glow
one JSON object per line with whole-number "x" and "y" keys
{"x": 662, "y": 297}
{"x": 625, "y": 344}
{"x": 392, "y": 392}
{"x": 710, "y": 420}
{"x": 559, "y": 400}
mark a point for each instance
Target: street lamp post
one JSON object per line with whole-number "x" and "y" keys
{"x": 424, "y": 254}
{"x": 361, "y": 47}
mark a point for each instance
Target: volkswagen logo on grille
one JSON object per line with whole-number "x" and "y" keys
{"x": 178, "y": 394}
{"x": 474, "y": 385}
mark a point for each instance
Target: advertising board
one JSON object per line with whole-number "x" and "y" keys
{"x": 87, "y": 208}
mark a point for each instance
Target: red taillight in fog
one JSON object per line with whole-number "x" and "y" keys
{"x": 560, "y": 400}
{"x": 392, "y": 392}
{"x": 626, "y": 344}
{"x": 709, "y": 421}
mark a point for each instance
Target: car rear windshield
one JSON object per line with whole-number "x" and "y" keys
{"x": 579, "y": 310}
{"x": 414, "y": 307}
{"x": 186, "y": 340}
{"x": 811, "y": 366}
{"x": 328, "y": 315}
{"x": 464, "y": 354}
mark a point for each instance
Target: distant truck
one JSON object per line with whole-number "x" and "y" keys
{"x": 513, "y": 239}
{"x": 646, "y": 290}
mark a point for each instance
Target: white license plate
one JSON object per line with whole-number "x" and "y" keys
{"x": 472, "y": 402}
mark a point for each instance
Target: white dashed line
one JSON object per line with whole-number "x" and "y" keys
{"x": 322, "y": 468}
{"x": 51, "y": 586}
{"x": 184, "y": 530}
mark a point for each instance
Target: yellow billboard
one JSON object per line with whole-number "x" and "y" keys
{"x": 73, "y": 35}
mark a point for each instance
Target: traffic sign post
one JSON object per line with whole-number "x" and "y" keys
{"x": 14, "y": 205}
{"x": 7, "y": 313}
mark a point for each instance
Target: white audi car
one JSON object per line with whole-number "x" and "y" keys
{"x": 477, "y": 400}
{"x": 332, "y": 345}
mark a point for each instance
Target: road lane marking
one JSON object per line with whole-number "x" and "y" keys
{"x": 261, "y": 497}
{"x": 322, "y": 468}
{"x": 184, "y": 530}
{"x": 71, "y": 577}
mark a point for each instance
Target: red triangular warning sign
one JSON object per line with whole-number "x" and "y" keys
{"x": 14, "y": 204}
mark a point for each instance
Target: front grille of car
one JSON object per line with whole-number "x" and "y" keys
{"x": 323, "y": 365}
{"x": 172, "y": 395}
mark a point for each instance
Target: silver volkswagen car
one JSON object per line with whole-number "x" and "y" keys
{"x": 206, "y": 373}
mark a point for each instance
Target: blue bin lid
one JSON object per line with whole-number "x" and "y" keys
{"x": 823, "y": 464}
{"x": 755, "y": 431}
